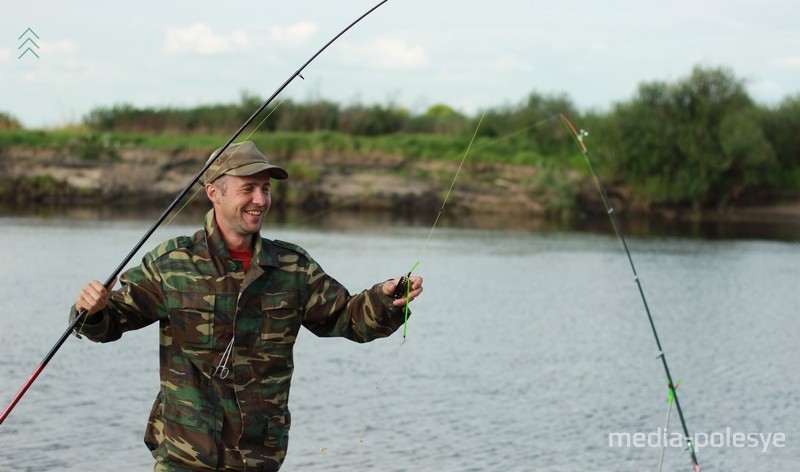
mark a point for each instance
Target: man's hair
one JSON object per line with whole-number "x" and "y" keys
{"x": 221, "y": 183}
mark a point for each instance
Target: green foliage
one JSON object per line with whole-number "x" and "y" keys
{"x": 698, "y": 141}
{"x": 35, "y": 138}
{"x": 438, "y": 119}
{"x": 782, "y": 129}
{"x": 95, "y": 147}
{"x": 320, "y": 115}
{"x": 38, "y": 188}
{"x": 300, "y": 173}
{"x": 534, "y": 120}
{"x": 372, "y": 120}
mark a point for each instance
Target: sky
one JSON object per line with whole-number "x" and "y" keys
{"x": 469, "y": 55}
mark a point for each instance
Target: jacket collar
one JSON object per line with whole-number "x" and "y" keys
{"x": 263, "y": 254}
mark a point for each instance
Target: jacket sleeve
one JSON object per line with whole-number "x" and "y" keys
{"x": 138, "y": 303}
{"x": 330, "y": 310}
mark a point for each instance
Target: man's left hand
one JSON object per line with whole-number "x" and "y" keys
{"x": 416, "y": 288}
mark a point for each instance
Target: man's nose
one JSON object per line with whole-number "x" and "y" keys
{"x": 259, "y": 197}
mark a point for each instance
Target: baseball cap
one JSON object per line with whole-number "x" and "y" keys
{"x": 241, "y": 159}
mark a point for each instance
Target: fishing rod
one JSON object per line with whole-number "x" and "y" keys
{"x": 579, "y": 136}
{"x": 111, "y": 279}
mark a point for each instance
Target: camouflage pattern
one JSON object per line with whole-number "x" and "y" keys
{"x": 201, "y": 298}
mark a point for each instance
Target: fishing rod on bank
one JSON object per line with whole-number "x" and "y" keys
{"x": 579, "y": 138}
{"x": 112, "y": 278}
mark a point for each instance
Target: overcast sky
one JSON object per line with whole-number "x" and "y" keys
{"x": 413, "y": 53}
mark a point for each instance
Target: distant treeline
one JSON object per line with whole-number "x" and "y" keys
{"x": 288, "y": 116}
{"x": 699, "y": 141}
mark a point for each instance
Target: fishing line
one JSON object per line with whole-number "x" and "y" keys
{"x": 450, "y": 191}
{"x": 470, "y": 149}
{"x": 670, "y": 400}
{"x": 580, "y": 140}
{"x": 22, "y": 414}
{"x": 406, "y": 280}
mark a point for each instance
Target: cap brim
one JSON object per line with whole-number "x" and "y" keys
{"x": 249, "y": 169}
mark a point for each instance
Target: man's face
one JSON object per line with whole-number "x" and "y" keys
{"x": 241, "y": 202}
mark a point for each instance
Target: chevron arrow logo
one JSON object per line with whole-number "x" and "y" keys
{"x": 28, "y": 34}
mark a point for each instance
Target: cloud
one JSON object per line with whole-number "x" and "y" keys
{"x": 791, "y": 62}
{"x": 296, "y": 33}
{"x": 199, "y": 39}
{"x": 388, "y": 53}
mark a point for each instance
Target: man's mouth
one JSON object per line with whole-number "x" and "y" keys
{"x": 255, "y": 213}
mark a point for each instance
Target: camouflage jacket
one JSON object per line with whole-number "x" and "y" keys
{"x": 201, "y": 299}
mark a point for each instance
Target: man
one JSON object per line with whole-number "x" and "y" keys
{"x": 229, "y": 304}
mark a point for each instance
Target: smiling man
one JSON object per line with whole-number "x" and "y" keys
{"x": 229, "y": 304}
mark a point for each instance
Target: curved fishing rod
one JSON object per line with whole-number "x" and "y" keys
{"x": 579, "y": 135}
{"x": 83, "y": 313}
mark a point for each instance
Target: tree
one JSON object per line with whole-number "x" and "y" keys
{"x": 781, "y": 127}
{"x": 698, "y": 141}
{"x": 438, "y": 119}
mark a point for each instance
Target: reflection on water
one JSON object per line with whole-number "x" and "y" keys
{"x": 654, "y": 226}
{"x": 650, "y": 227}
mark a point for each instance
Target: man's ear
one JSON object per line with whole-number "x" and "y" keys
{"x": 212, "y": 192}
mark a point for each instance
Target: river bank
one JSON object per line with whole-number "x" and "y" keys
{"x": 321, "y": 182}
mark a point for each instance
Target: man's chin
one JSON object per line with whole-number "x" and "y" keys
{"x": 252, "y": 228}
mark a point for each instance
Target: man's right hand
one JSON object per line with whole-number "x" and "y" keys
{"x": 93, "y": 297}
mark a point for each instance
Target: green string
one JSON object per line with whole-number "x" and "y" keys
{"x": 672, "y": 391}
{"x": 408, "y": 295}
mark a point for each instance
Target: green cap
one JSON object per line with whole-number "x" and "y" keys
{"x": 241, "y": 159}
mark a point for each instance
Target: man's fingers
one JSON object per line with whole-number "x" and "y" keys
{"x": 416, "y": 287}
{"x": 92, "y": 297}
{"x": 416, "y": 290}
{"x": 416, "y": 283}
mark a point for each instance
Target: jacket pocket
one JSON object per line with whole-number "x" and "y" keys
{"x": 281, "y": 317}
{"x": 190, "y": 436}
{"x": 184, "y": 431}
{"x": 192, "y": 318}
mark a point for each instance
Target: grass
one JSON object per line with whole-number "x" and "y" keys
{"x": 285, "y": 144}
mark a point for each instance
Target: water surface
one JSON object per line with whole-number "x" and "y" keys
{"x": 526, "y": 350}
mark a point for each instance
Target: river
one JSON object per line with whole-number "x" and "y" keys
{"x": 530, "y": 349}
